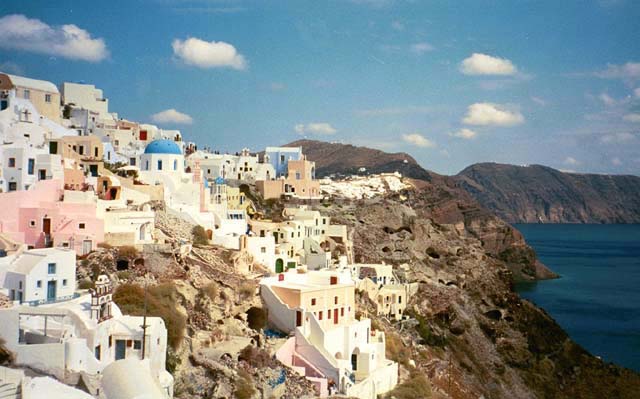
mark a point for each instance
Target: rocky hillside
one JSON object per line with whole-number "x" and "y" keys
{"x": 448, "y": 203}
{"x": 535, "y": 193}
{"x": 346, "y": 159}
{"x": 472, "y": 335}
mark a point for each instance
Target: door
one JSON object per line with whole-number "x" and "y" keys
{"x": 51, "y": 291}
{"x": 42, "y": 174}
{"x": 335, "y": 316}
{"x": 86, "y": 247}
{"x": 121, "y": 349}
{"x": 298, "y": 318}
{"x": 46, "y": 225}
{"x": 279, "y": 265}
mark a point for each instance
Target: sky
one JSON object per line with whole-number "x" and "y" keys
{"x": 451, "y": 83}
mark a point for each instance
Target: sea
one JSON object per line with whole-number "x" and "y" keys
{"x": 597, "y": 298}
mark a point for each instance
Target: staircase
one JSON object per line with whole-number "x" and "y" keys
{"x": 10, "y": 391}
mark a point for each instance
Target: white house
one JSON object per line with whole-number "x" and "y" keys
{"x": 330, "y": 346}
{"x": 85, "y": 334}
{"x": 39, "y": 276}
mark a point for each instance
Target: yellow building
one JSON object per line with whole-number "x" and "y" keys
{"x": 42, "y": 94}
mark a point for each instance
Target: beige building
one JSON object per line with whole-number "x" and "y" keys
{"x": 42, "y": 94}
{"x": 300, "y": 182}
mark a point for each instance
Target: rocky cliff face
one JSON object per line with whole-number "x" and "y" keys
{"x": 346, "y": 159}
{"x": 537, "y": 193}
{"x": 440, "y": 199}
{"x": 472, "y": 335}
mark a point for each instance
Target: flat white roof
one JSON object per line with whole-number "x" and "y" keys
{"x": 35, "y": 84}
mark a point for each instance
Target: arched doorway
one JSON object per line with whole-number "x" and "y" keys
{"x": 279, "y": 265}
{"x": 354, "y": 359}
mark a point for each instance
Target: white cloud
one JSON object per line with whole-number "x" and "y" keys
{"x": 421, "y": 48}
{"x": 172, "y": 116}
{"x": 397, "y": 25}
{"x": 571, "y": 161}
{"x": 482, "y": 64}
{"x": 418, "y": 140}
{"x": 628, "y": 71}
{"x": 486, "y": 114}
{"x": 617, "y": 137}
{"x": 616, "y": 161}
{"x": 317, "y": 128}
{"x": 635, "y": 118}
{"x": 464, "y": 133}
{"x": 203, "y": 54}
{"x": 539, "y": 101}
{"x": 68, "y": 41}
{"x": 607, "y": 99}
{"x": 277, "y": 86}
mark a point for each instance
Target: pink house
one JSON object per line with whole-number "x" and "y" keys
{"x": 40, "y": 218}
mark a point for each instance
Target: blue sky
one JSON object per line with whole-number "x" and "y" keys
{"x": 554, "y": 83}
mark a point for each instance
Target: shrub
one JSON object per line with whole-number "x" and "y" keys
{"x": 96, "y": 271}
{"x": 247, "y": 290}
{"x": 161, "y": 302}
{"x": 128, "y": 252}
{"x": 257, "y": 318}
{"x": 416, "y": 387}
{"x": 256, "y": 357}
{"x": 244, "y": 386}
{"x": 395, "y": 349}
{"x": 124, "y": 275}
{"x": 86, "y": 285}
{"x": 199, "y": 236}
{"x": 210, "y": 290}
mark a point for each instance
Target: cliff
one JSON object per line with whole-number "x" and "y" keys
{"x": 443, "y": 201}
{"x": 532, "y": 194}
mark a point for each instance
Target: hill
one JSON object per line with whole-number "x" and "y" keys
{"x": 531, "y": 194}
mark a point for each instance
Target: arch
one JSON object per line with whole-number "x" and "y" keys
{"x": 279, "y": 265}
{"x": 354, "y": 358}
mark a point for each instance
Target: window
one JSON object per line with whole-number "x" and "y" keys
{"x": 31, "y": 164}
{"x": 399, "y": 299}
{"x": 19, "y": 285}
{"x": 320, "y": 315}
{"x": 137, "y": 344}
{"x": 12, "y": 162}
{"x": 39, "y": 284}
{"x": 81, "y": 226}
{"x": 281, "y": 158}
{"x": 110, "y": 341}
{"x": 32, "y": 223}
{"x": 341, "y": 311}
{"x": 95, "y": 152}
{"x": 97, "y": 352}
{"x": 335, "y": 300}
{"x": 27, "y": 94}
{"x": 132, "y": 161}
{"x": 263, "y": 250}
{"x": 175, "y": 164}
{"x": 298, "y": 176}
{"x": 13, "y": 186}
{"x": 159, "y": 164}
{"x": 313, "y": 301}
{"x": 47, "y": 98}
{"x": 52, "y": 268}
{"x": 64, "y": 282}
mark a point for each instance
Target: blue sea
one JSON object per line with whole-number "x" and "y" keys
{"x": 597, "y": 298}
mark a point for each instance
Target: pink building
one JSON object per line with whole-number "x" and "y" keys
{"x": 41, "y": 218}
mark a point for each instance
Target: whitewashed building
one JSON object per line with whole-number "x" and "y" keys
{"x": 39, "y": 276}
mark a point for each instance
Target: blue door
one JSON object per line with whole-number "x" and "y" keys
{"x": 51, "y": 291}
{"x": 121, "y": 349}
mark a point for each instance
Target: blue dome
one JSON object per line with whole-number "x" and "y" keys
{"x": 163, "y": 147}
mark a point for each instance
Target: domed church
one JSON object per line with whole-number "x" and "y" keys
{"x": 162, "y": 156}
